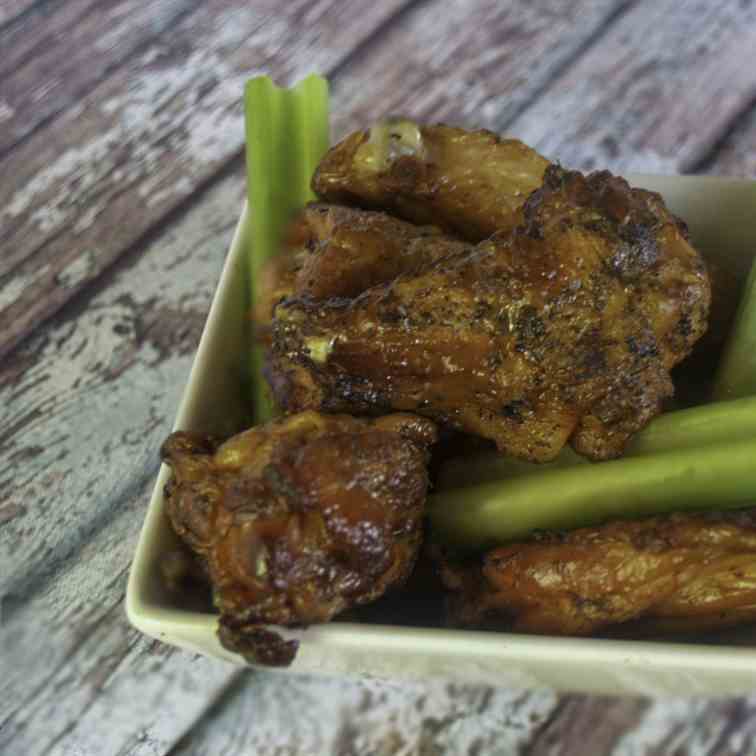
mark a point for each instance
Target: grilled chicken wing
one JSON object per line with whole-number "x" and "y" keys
{"x": 336, "y": 251}
{"x": 299, "y": 519}
{"x": 678, "y": 573}
{"x": 472, "y": 183}
{"x": 350, "y": 250}
{"x": 565, "y": 329}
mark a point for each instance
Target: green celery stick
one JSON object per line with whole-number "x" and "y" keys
{"x": 709, "y": 477}
{"x": 719, "y": 422}
{"x": 287, "y": 132}
{"x": 489, "y": 467}
{"x": 736, "y": 374}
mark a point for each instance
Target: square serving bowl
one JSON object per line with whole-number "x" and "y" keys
{"x": 721, "y": 214}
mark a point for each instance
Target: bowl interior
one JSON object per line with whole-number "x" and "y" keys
{"x": 721, "y": 218}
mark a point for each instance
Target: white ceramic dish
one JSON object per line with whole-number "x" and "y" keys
{"x": 721, "y": 214}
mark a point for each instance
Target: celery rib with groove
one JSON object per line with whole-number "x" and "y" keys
{"x": 287, "y": 132}
{"x": 708, "y": 477}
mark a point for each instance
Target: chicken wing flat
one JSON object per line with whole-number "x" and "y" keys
{"x": 350, "y": 250}
{"x": 565, "y": 329}
{"x": 299, "y": 519}
{"x": 472, "y": 183}
{"x": 677, "y": 573}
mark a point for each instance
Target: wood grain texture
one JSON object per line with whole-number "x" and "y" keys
{"x": 31, "y": 33}
{"x": 84, "y": 408}
{"x": 13, "y": 10}
{"x": 735, "y": 155}
{"x": 78, "y": 47}
{"x": 87, "y": 398}
{"x": 476, "y": 65}
{"x": 82, "y": 413}
{"x": 370, "y": 717}
{"x": 654, "y": 94}
{"x": 147, "y": 138}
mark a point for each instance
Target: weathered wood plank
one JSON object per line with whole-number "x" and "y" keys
{"x": 80, "y": 55}
{"x": 34, "y": 32}
{"x": 581, "y": 720}
{"x": 654, "y": 94}
{"x": 84, "y": 408}
{"x": 698, "y": 728}
{"x": 105, "y": 383}
{"x": 474, "y": 65}
{"x": 388, "y": 718}
{"x": 13, "y": 10}
{"x": 345, "y": 717}
{"x": 146, "y": 139}
{"x": 80, "y": 680}
{"x": 736, "y": 154}
{"x": 82, "y": 413}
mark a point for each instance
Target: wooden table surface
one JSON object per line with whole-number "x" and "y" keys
{"x": 121, "y": 179}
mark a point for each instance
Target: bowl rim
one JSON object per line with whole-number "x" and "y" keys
{"x": 710, "y": 669}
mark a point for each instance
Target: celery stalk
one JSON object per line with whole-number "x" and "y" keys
{"x": 287, "y": 132}
{"x": 716, "y": 423}
{"x": 710, "y": 477}
{"x": 736, "y": 374}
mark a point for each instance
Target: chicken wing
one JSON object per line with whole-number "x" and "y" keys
{"x": 679, "y": 573}
{"x": 565, "y": 329}
{"x": 472, "y": 183}
{"x": 350, "y": 250}
{"x": 299, "y": 519}
{"x": 336, "y": 251}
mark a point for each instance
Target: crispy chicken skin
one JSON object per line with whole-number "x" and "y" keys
{"x": 350, "y": 250}
{"x": 299, "y": 519}
{"x": 336, "y": 251}
{"x": 676, "y": 573}
{"x": 564, "y": 330}
{"x": 472, "y": 183}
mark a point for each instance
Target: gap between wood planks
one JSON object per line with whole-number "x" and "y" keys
{"x": 23, "y": 42}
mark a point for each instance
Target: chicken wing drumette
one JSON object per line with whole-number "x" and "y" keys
{"x": 472, "y": 183}
{"x": 677, "y": 573}
{"x": 565, "y": 329}
{"x": 299, "y": 519}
